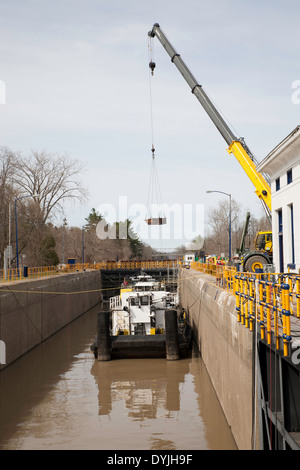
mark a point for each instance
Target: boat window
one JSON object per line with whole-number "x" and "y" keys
{"x": 134, "y": 301}
{"x": 144, "y": 300}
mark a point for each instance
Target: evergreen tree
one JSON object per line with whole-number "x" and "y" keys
{"x": 93, "y": 219}
{"x": 47, "y": 253}
{"x": 125, "y": 230}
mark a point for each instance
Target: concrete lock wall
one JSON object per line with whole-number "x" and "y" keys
{"x": 226, "y": 349}
{"x": 33, "y": 310}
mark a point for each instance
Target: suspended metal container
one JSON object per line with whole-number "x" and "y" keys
{"x": 154, "y": 190}
{"x": 156, "y": 221}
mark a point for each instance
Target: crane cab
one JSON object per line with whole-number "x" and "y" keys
{"x": 263, "y": 241}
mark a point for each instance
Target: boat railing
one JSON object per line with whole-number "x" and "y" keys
{"x": 114, "y": 302}
{"x": 173, "y": 297}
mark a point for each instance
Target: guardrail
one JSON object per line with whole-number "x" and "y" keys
{"x": 142, "y": 264}
{"x": 224, "y": 274}
{"x": 269, "y": 301}
{"x": 27, "y": 273}
{"x": 13, "y": 274}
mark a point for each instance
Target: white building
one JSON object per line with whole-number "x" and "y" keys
{"x": 282, "y": 164}
{"x": 189, "y": 258}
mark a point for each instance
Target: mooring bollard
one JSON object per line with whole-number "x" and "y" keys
{"x": 103, "y": 336}
{"x": 172, "y": 341}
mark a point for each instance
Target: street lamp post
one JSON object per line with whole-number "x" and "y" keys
{"x": 16, "y": 222}
{"x": 82, "y": 238}
{"x": 63, "y": 247}
{"x": 229, "y": 228}
{"x": 9, "y": 236}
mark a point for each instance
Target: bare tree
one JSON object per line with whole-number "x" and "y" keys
{"x": 218, "y": 220}
{"x": 31, "y": 231}
{"x": 83, "y": 244}
{"x": 53, "y": 178}
{"x": 7, "y": 194}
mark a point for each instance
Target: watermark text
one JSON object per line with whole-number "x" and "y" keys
{"x": 296, "y": 94}
{"x": 2, "y": 92}
{"x": 166, "y": 222}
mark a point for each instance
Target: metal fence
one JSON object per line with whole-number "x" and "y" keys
{"x": 224, "y": 275}
{"x": 268, "y": 301}
{"x": 27, "y": 273}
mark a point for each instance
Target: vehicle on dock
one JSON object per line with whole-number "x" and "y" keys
{"x": 137, "y": 320}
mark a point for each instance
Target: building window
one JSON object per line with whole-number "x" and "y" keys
{"x": 277, "y": 182}
{"x": 144, "y": 300}
{"x": 292, "y": 233}
{"x": 289, "y": 175}
{"x": 280, "y": 241}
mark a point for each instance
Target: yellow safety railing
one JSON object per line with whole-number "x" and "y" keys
{"x": 141, "y": 264}
{"x": 267, "y": 300}
{"x": 224, "y": 274}
{"x": 207, "y": 268}
{"x": 13, "y": 274}
{"x": 225, "y": 277}
{"x": 270, "y": 303}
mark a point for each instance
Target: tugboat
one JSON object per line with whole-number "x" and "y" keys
{"x": 140, "y": 307}
{"x": 138, "y": 324}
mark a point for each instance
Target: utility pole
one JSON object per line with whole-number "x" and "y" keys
{"x": 63, "y": 247}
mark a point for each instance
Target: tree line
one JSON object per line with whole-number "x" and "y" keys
{"x": 33, "y": 189}
{"x": 217, "y": 238}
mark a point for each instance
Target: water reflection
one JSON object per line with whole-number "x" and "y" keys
{"x": 173, "y": 404}
{"x": 143, "y": 385}
{"x": 27, "y": 382}
{"x": 59, "y": 397}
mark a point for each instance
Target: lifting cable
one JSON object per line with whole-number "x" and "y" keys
{"x": 154, "y": 192}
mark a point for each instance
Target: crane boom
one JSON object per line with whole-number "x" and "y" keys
{"x": 244, "y": 234}
{"x": 237, "y": 146}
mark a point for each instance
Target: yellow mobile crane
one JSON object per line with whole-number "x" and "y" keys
{"x": 237, "y": 146}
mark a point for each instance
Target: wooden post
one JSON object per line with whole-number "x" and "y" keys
{"x": 172, "y": 340}
{"x": 103, "y": 336}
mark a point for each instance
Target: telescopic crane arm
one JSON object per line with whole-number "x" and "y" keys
{"x": 236, "y": 146}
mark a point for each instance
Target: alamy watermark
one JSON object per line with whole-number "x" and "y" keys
{"x": 296, "y": 94}
{"x": 2, "y": 352}
{"x": 296, "y": 357}
{"x": 183, "y": 221}
{"x": 2, "y": 92}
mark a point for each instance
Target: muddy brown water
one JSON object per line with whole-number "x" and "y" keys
{"x": 58, "y": 397}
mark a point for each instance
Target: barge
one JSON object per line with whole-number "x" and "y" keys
{"x": 145, "y": 320}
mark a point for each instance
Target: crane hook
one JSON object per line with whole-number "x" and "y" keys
{"x": 152, "y": 66}
{"x": 153, "y": 150}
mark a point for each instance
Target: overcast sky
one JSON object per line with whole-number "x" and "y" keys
{"x": 77, "y": 81}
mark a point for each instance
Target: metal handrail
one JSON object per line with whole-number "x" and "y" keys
{"x": 271, "y": 300}
{"x": 14, "y": 274}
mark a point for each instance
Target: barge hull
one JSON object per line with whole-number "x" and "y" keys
{"x": 144, "y": 346}
{"x": 134, "y": 346}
